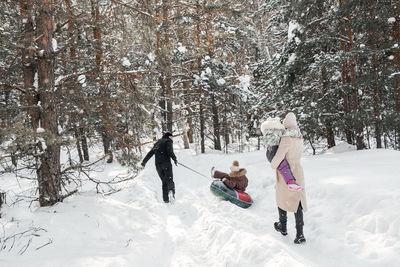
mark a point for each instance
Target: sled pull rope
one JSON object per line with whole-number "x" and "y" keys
{"x": 192, "y": 170}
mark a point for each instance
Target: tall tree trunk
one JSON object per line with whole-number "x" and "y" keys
{"x": 374, "y": 66}
{"x": 328, "y": 120}
{"x": 28, "y": 62}
{"x": 84, "y": 143}
{"x": 164, "y": 67}
{"x": 396, "y": 52}
{"x": 346, "y": 106}
{"x": 200, "y": 90}
{"x": 216, "y": 125}
{"x": 187, "y": 125}
{"x": 354, "y": 101}
{"x": 159, "y": 52}
{"x": 48, "y": 173}
{"x": 330, "y": 137}
{"x": 162, "y": 103}
{"x": 104, "y": 96}
{"x": 214, "y": 108}
{"x": 81, "y": 138}
{"x": 187, "y": 85}
{"x": 167, "y": 80}
{"x": 202, "y": 126}
{"x": 78, "y": 146}
{"x": 225, "y": 123}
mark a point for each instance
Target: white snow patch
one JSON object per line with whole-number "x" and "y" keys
{"x": 40, "y": 130}
{"x": 151, "y": 57}
{"x": 221, "y": 81}
{"x": 59, "y": 79}
{"x": 54, "y": 44}
{"x": 181, "y": 49}
{"x": 291, "y": 58}
{"x": 36, "y": 81}
{"x": 244, "y": 82}
{"x": 126, "y": 62}
{"x": 81, "y": 79}
{"x": 293, "y": 27}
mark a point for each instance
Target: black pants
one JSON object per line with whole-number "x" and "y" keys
{"x": 271, "y": 152}
{"x": 164, "y": 170}
{"x": 298, "y": 215}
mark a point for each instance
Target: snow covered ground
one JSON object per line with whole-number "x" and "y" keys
{"x": 353, "y": 218}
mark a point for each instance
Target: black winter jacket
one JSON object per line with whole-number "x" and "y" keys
{"x": 163, "y": 150}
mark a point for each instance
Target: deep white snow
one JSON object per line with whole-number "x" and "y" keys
{"x": 353, "y": 218}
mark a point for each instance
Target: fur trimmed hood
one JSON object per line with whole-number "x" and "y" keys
{"x": 240, "y": 173}
{"x": 271, "y": 124}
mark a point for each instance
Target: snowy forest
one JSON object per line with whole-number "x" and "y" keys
{"x": 119, "y": 73}
{"x": 88, "y": 86}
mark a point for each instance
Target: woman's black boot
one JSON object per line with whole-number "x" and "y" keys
{"x": 299, "y": 235}
{"x": 281, "y": 225}
{"x": 299, "y": 226}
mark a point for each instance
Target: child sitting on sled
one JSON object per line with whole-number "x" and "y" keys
{"x": 273, "y": 130}
{"x": 236, "y": 179}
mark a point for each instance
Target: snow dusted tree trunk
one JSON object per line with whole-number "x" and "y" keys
{"x": 187, "y": 130}
{"x": 214, "y": 108}
{"x": 167, "y": 74}
{"x": 106, "y": 127}
{"x": 225, "y": 123}
{"x": 200, "y": 90}
{"x": 164, "y": 66}
{"x": 354, "y": 101}
{"x": 346, "y": 106}
{"x": 48, "y": 173}
{"x": 28, "y": 62}
{"x": 85, "y": 147}
{"x": 374, "y": 66}
{"x": 81, "y": 141}
{"x": 78, "y": 146}
{"x": 189, "y": 112}
{"x": 216, "y": 124}
{"x": 396, "y": 52}
{"x": 328, "y": 121}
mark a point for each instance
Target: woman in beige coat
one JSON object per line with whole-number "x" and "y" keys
{"x": 291, "y": 148}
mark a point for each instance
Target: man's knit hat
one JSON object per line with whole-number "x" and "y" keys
{"x": 167, "y": 134}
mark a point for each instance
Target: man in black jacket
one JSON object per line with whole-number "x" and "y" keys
{"x": 164, "y": 151}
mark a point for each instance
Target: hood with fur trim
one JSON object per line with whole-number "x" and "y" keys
{"x": 271, "y": 124}
{"x": 240, "y": 173}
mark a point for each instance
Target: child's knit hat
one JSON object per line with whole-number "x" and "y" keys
{"x": 235, "y": 166}
{"x": 290, "y": 120}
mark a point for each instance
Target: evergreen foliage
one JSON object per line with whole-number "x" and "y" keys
{"x": 119, "y": 73}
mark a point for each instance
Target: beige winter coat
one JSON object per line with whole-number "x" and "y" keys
{"x": 292, "y": 148}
